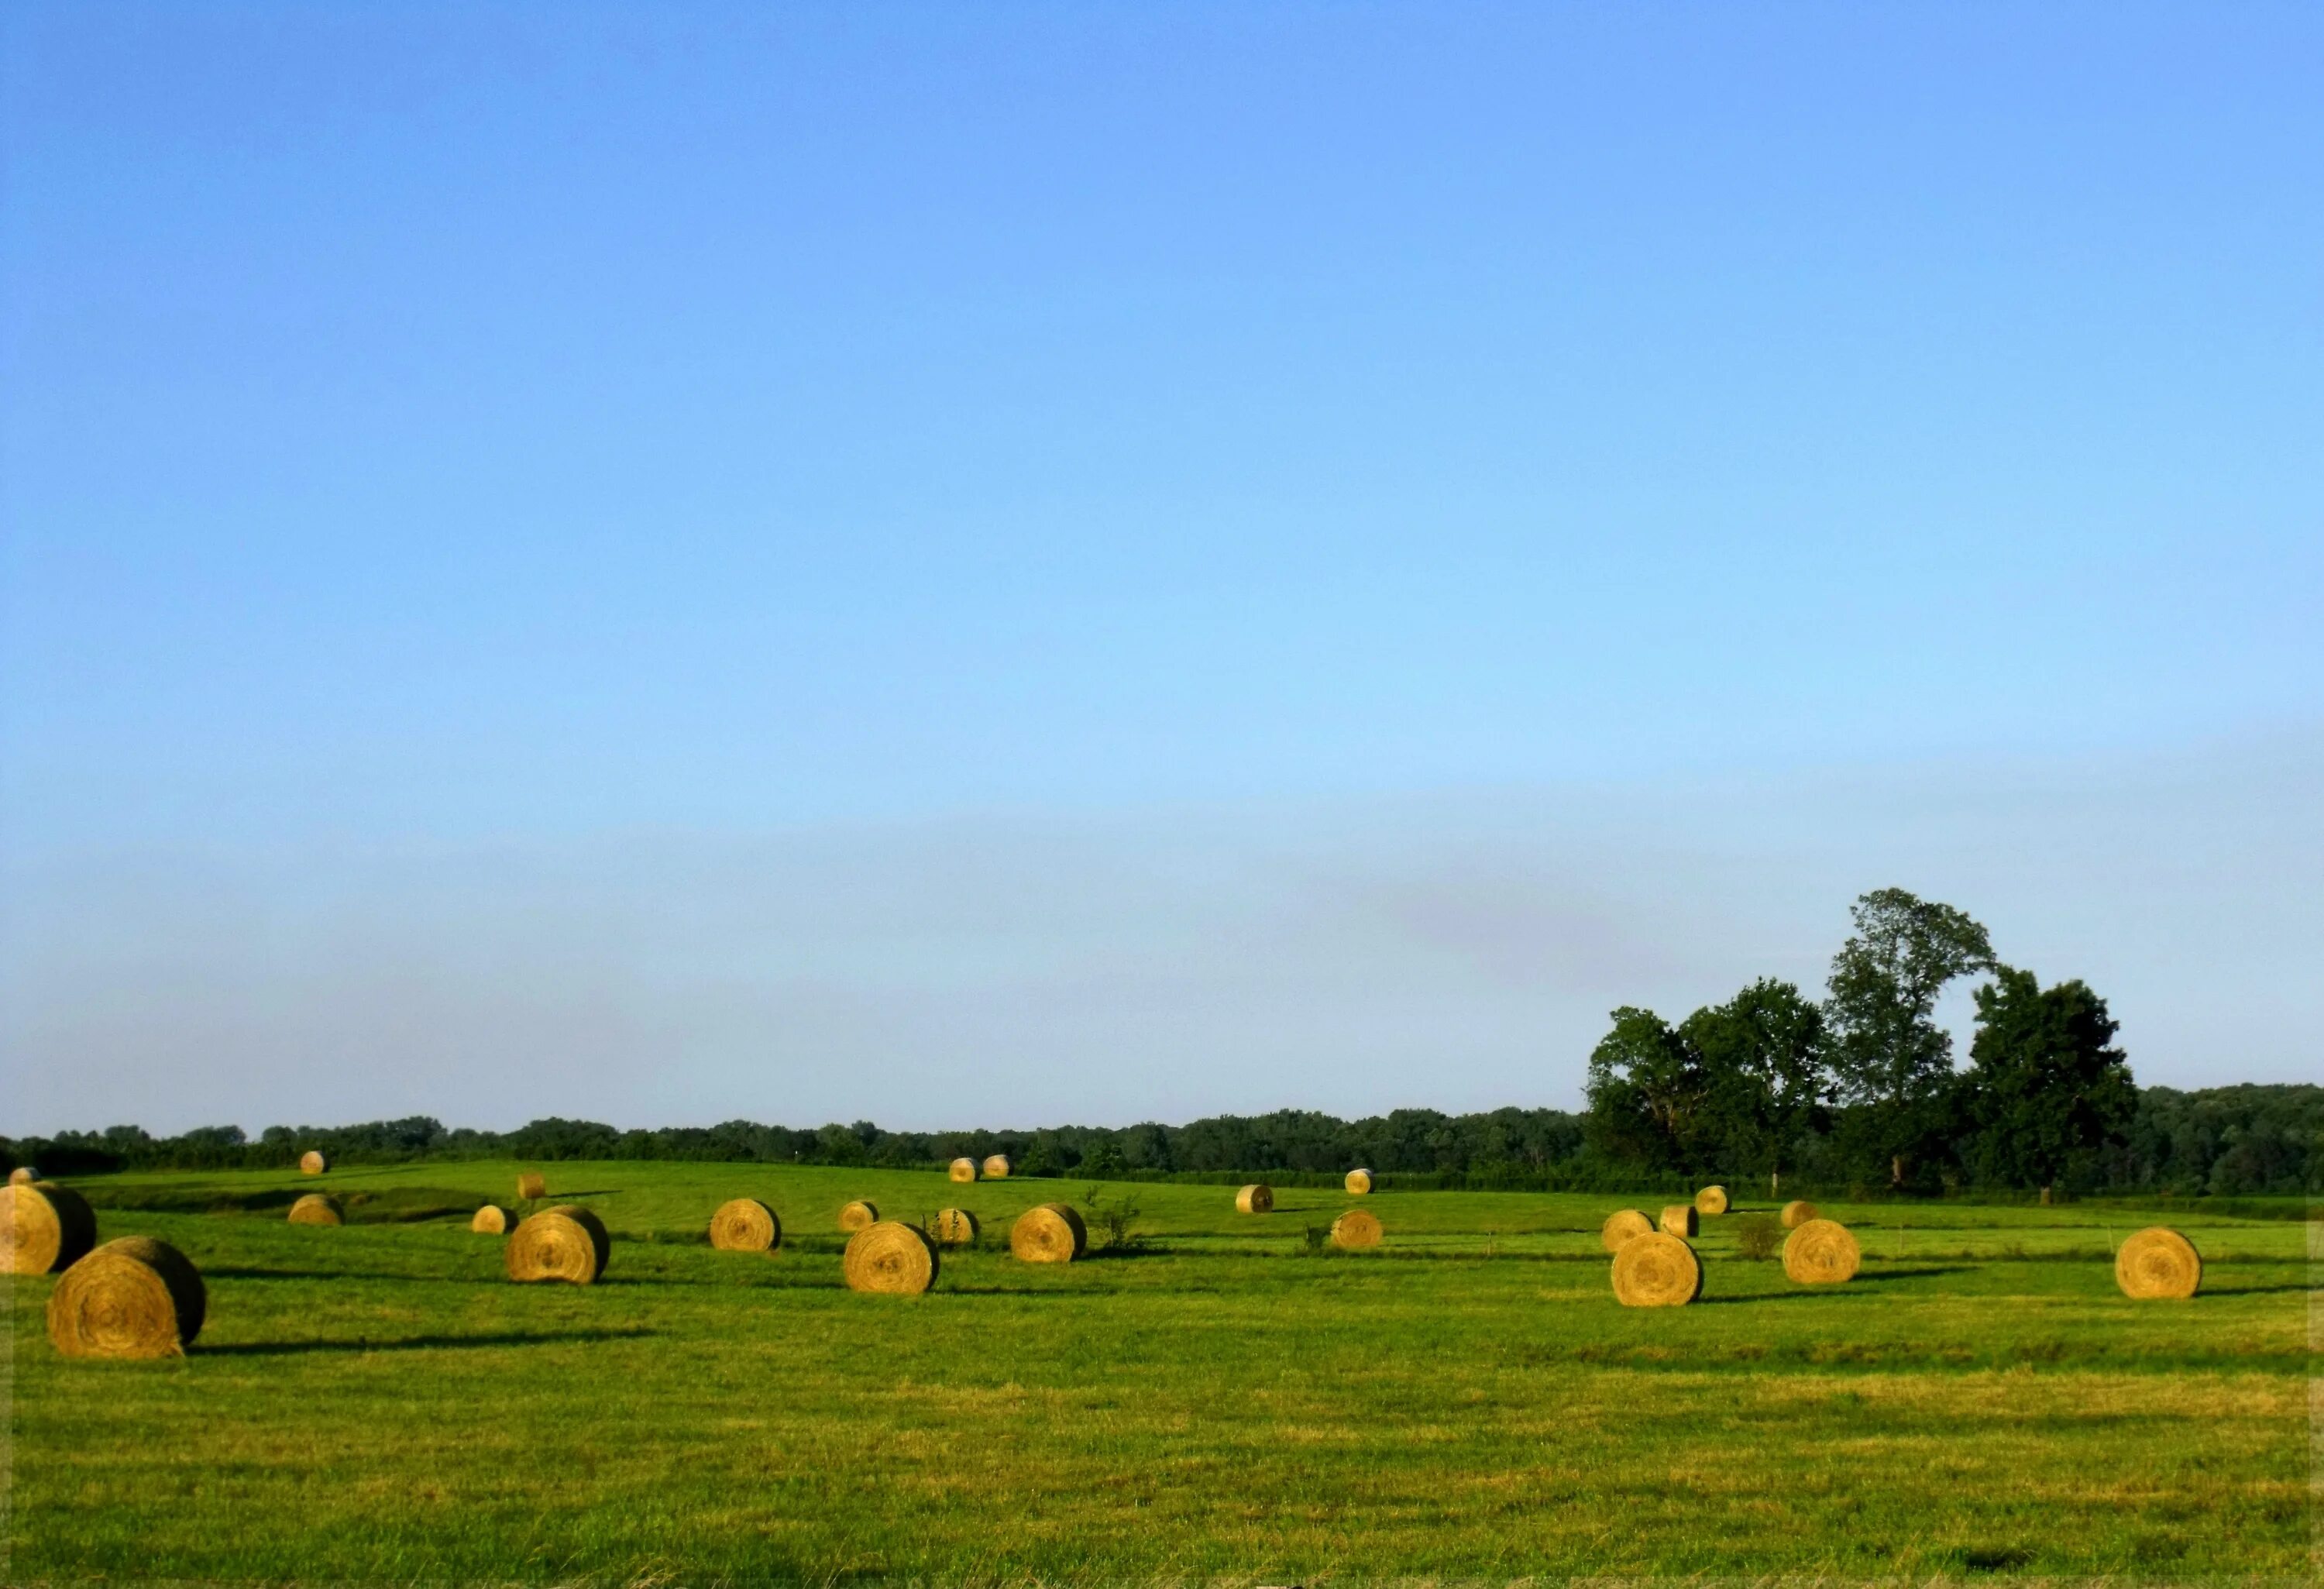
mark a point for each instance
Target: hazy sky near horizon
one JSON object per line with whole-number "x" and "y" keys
{"x": 1020, "y": 563}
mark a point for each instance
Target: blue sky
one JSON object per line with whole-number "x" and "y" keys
{"x": 993, "y": 564}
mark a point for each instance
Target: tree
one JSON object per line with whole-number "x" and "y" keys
{"x": 1765, "y": 1080}
{"x": 1890, "y": 1057}
{"x": 2046, "y": 1084}
{"x": 1646, "y": 1093}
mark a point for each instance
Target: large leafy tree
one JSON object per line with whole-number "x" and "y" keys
{"x": 2046, "y": 1084}
{"x": 1765, "y": 1085}
{"x": 1648, "y": 1103}
{"x": 1890, "y": 1057}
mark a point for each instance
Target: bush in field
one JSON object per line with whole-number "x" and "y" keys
{"x": 1758, "y": 1236}
{"x": 1113, "y": 1221}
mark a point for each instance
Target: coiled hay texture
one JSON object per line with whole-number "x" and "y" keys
{"x": 1797, "y": 1212}
{"x": 23, "y": 1175}
{"x": 997, "y": 1167}
{"x": 890, "y": 1256}
{"x": 312, "y": 1163}
{"x": 964, "y": 1170}
{"x": 2156, "y": 1263}
{"x": 1359, "y": 1183}
{"x": 1657, "y": 1271}
{"x": 1050, "y": 1233}
{"x": 858, "y": 1216}
{"x": 1256, "y": 1198}
{"x": 1358, "y": 1227}
{"x": 132, "y": 1298}
{"x": 1679, "y": 1219}
{"x": 531, "y": 1186}
{"x": 44, "y": 1227}
{"x": 567, "y": 1242}
{"x": 317, "y": 1208}
{"x": 746, "y": 1224}
{"x": 1710, "y": 1201}
{"x": 1821, "y": 1252}
{"x": 1620, "y": 1226}
{"x": 490, "y": 1220}
{"x": 957, "y": 1227}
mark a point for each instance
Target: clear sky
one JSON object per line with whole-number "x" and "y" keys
{"x": 1008, "y": 563}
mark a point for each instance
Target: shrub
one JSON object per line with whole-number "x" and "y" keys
{"x": 1758, "y": 1236}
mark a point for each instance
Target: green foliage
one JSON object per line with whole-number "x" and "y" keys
{"x": 1766, "y": 1087}
{"x": 1649, "y": 1098}
{"x": 1758, "y": 1236}
{"x": 1111, "y": 1221}
{"x": 2047, "y": 1089}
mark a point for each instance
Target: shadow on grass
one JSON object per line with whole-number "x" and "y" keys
{"x": 236, "y": 1271}
{"x": 2251, "y": 1290}
{"x": 418, "y": 1342}
{"x": 1759, "y": 1297}
{"x": 1865, "y": 1276}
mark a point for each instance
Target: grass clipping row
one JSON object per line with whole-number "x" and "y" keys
{"x": 564, "y": 1243}
{"x": 1621, "y": 1226}
{"x": 44, "y": 1227}
{"x": 1051, "y": 1233}
{"x": 132, "y": 1298}
{"x": 746, "y": 1224}
{"x": 1656, "y": 1269}
{"x": 2158, "y": 1265}
{"x": 1821, "y": 1252}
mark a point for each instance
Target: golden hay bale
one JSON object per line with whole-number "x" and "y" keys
{"x": 1256, "y": 1198}
{"x": 890, "y": 1257}
{"x": 531, "y": 1185}
{"x": 997, "y": 1167}
{"x": 1359, "y": 1182}
{"x": 317, "y": 1208}
{"x": 23, "y": 1175}
{"x": 746, "y": 1224}
{"x": 567, "y": 1242}
{"x": 1050, "y": 1233}
{"x": 1797, "y": 1212}
{"x": 1358, "y": 1227}
{"x": 1657, "y": 1271}
{"x": 44, "y": 1227}
{"x": 2156, "y": 1263}
{"x": 1620, "y": 1226}
{"x": 132, "y": 1298}
{"x": 858, "y": 1216}
{"x": 957, "y": 1227}
{"x": 312, "y": 1163}
{"x": 490, "y": 1220}
{"x": 1710, "y": 1200}
{"x": 1821, "y": 1252}
{"x": 1679, "y": 1219}
{"x": 964, "y": 1170}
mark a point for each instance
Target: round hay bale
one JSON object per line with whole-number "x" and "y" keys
{"x": 490, "y": 1220}
{"x": 567, "y": 1242}
{"x": 312, "y": 1163}
{"x": 890, "y": 1257}
{"x": 1256, "y": 1198}
{"x": 1821, "y": 1252}
{"x": 1050, "y": 1233}
{"x": 1657, "y": 1271}
{"x": 1620, "y": 1226}
{"x": 1358, "y": 1227}
{"x": 746, "y": 1224}
{"x": 964, "y": 1170}
{"x": 317, "y": 1208}
{"x": 1359, "y": 1183}
{"x": 1679, "y": 1219}
{"x": 132, "y": 1298}
{"x": 2158, "y": 1263}
{"x": 1712, "y": 1201}
{"x": 997, "y": 1167}
{"x": 23, "y": 1175}
{"x": 1797, "y": 1212}
{"x": 531, "y": 1186}
{"x": 858, "y": 1216}
{"x": 957, "y": 1227}
{"x": 44, "y": 1227}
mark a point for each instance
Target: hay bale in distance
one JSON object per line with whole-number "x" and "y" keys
{"x": 317, "y": 1208}
{"x": 132, "y": 1297}
{"x": 957, "y": 1227}
{"x": 531, "y": 1186}
{"x": 858, "y": 1216}
{"x": 964, "y": 1170}
{"x": 1797, "y": 1212}
{"x": 1710, "y": 1201}
{"x": 997, "y": 1167}
{"x": 1656, "y": 1269}
{"x": 890, "y": 1256}
{"x": 1051, "y": 1233}
{"x": 44, "y": 1227}
{"x": 746, "y": 1224}
{"x": 312, "y": 1163}
{"x": 1821, "y": 1252}
{"x": 567, "y": 1242}
{"x": 490, "y": 1220}
{"x": 1679, "y": 1219}
{"x": 1256, "y": 1198}
{"x": 2158, "y": 1265}
{"x": 1359, "y": 1183}
{"x": 1620, "y": 1226}
{"x": 23, "y": 1175}
{"x": 1358, "y": 1227}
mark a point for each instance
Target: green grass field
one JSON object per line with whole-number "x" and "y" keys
{"x": 377, "y": 1401}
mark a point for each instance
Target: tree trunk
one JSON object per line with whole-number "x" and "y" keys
{"x": 1774, "y": 1183}
{"x": 1896, "y": 1170}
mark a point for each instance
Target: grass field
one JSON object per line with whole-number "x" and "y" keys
{"x": 377, "y": 1402}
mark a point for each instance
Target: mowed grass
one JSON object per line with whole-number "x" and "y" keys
{"x": 377, "y": 1401}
